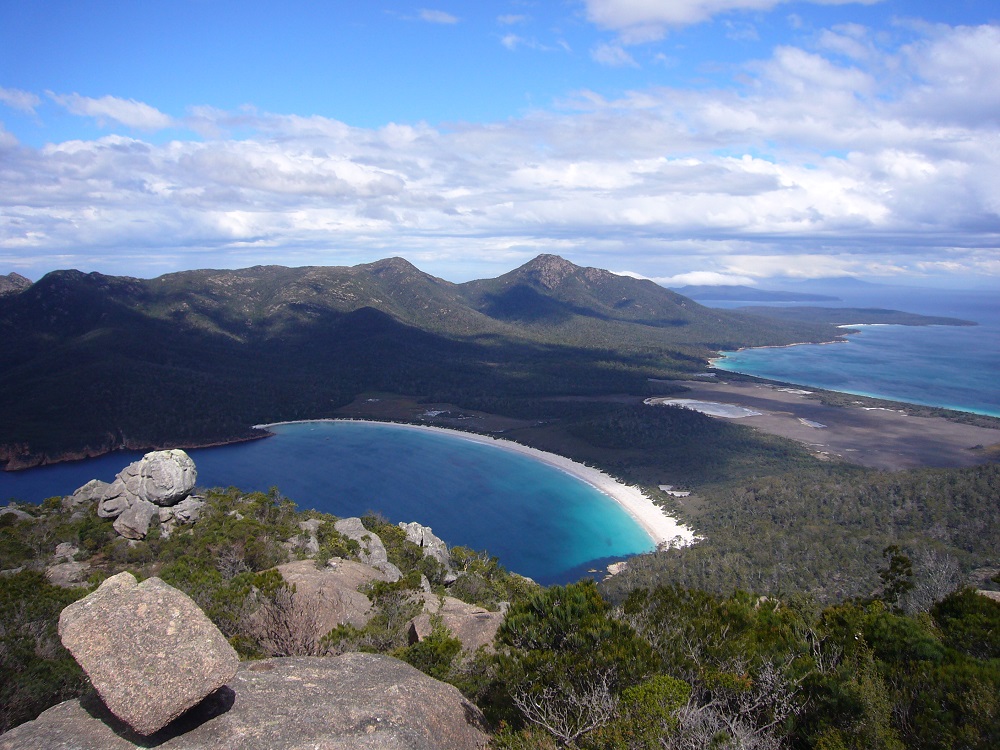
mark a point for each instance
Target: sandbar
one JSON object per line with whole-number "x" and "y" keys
{"x": 661, "y": 528}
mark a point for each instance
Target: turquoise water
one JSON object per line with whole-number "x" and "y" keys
{"x": 539, "y": 521}
{"x": 945, "y": 366}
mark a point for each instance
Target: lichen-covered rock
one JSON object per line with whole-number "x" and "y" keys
{"x": 65, "y": 551}
{"x": 349, "y": 702}
{"x": 147, "y": 648}
{"x": 188, "y": 510}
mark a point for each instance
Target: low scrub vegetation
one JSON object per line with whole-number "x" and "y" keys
{"x": 667, "y": 667}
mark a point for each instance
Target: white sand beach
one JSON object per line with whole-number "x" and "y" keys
{"x": 660, "y": 527}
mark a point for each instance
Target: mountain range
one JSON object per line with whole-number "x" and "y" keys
{"x": 90, "y": 363}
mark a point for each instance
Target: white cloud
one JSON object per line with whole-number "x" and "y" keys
{"x": 815, "y": 166}
{"x": 612, "y": 55}
{"x": 127, "y": 112}
{"x": 638, "y": 21}
{"x": 437, "y": 16}
{"x": 511, "y": 41}
{"x": 706, "y": 278}
{"x": 510, "y": 20}
{"x": 24, "y": 101}
{"x": 955, "y": 72}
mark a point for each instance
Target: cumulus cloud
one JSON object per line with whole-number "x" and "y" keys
{"x": 437, "y": 16}
{"x": 814, "y": 166}
{"x": 24, "y": 101}
{"x": 107, "y": 109}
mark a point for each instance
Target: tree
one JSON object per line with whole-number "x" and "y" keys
{"x": 897, "y": 576}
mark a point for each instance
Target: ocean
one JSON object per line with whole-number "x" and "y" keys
{"x": 539, "y": 521}
{"x": 945, "y": 366}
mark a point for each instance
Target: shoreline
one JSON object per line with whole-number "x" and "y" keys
{"x": 661, "y": 528}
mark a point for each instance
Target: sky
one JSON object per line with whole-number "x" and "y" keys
{"x": 687, "y": 141}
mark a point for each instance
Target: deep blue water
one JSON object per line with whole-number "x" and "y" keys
{"x": 539, "y": 521}
{"x": 946, "y": 366}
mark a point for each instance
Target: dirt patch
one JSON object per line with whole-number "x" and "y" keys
{"x": 875, "y": 437}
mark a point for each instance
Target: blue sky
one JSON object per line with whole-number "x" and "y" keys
{"x": 704, "y": 141}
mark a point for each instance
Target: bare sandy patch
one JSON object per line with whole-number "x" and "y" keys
{"x": 879, "y": 438}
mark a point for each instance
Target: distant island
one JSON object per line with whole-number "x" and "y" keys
{"x": 847, "y": 316}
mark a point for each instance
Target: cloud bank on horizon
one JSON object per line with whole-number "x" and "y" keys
{"x": 690, "y": 141}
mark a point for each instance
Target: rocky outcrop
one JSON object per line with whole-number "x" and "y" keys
{"x": 310, "y": 529}
{"x": 472, "y": 625}
{"x": 65, "y": 570}
{"x": 332, "y": 592}
{"x": 133, "y": 523}
{"x": 156, "y": 486}
{"x": 424, "y": 537}
{"x": 148, "y": 650}
{"x": 19, "y": 515}
{"x": 91, "y": 492}
{"x": 159, "y": 477}
{"x": 372, "y": 549}
{"x": 349, "y": 702}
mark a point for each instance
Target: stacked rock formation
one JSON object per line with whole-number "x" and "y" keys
{"x": 157, "y": 486}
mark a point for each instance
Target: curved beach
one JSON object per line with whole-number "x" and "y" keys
{"x": 660, "y": 527}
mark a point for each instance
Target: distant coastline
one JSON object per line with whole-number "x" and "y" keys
{"x": 661, "y": 528}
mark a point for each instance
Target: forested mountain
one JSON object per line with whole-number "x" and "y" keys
{"x": 89, "y": 362}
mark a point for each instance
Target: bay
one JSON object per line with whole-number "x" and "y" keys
{"x": 539, "y": 521}
{"x": 945, "y": 366}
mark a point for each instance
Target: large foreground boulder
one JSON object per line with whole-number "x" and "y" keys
{"x": 148, "y": 649}
{"x": 349, "y": 702}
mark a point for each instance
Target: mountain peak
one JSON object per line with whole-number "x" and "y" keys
{"x": 396, "y": 265}
{"x": 13, "y": 283}
{"x": 548, "y": 270}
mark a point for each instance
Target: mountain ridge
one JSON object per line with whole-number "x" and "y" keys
{"x": 90, "y": 362}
